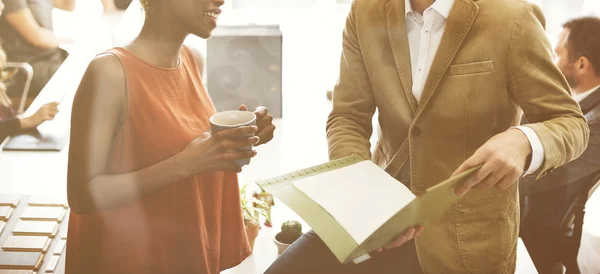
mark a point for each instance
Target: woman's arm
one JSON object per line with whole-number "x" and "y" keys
{"x": 26, "y": 25}
{"x": 96, "y": 117}
{"x": 98, "y": 111}
{"x": 14, "y": 125}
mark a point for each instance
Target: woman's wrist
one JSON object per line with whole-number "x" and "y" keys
{"x": 182, "y": 166}
{"x": 28, "y": 123}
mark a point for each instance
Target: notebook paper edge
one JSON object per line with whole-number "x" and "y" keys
{"x": 288, "y": 178}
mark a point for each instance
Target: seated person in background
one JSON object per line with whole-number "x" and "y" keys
{"x": 9, "y": 124}
{"x": 545, "y": 201}
{"x": 27, "y": 36}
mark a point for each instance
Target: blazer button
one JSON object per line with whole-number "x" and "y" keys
{"x": 416, "y": 131}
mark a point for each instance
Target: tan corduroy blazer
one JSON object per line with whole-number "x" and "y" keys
{"x": 493, "y": 61}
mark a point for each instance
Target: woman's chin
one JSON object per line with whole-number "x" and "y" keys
{"x": 203, "y": 34}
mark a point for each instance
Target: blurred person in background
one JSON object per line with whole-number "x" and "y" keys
{"x": 26, "y": 33}
{"x": 9, "y": 124}
{"x": 545, "y": 202}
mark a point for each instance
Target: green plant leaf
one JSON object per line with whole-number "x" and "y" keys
{"x": 259, "y": 202}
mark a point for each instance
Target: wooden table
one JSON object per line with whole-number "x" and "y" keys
{"x": 14, "y": 219}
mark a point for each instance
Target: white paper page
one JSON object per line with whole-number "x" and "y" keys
{"x": 360, "y": 197}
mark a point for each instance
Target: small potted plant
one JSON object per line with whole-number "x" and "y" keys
{"x": 268, "y": 200}
{"x": 251, "y": 215}
{"x": 290, "y": 232}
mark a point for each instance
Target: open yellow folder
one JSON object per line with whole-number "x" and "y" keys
{"x": 356, "y": 207}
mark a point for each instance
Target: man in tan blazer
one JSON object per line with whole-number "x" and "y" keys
{"x": 449, "y": 79}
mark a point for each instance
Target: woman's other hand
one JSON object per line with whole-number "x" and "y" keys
{"x": 264, "y": 121}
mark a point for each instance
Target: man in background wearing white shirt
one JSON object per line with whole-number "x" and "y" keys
{"x": 449, "y": 79}
{"x": 547, "y": 202}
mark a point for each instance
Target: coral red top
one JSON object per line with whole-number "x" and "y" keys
{"x": 192, "y": 226}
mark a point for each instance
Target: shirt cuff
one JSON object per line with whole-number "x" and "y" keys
{"x": 537, "y": 149}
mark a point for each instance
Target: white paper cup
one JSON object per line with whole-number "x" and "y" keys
{"x": 233, "y": 119}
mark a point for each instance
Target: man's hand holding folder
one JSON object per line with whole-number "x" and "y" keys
{"x": 410, "y": 233}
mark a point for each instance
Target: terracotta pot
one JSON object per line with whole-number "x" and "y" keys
{"x": 280, "y": 246}
{"x": 252, "y": 233}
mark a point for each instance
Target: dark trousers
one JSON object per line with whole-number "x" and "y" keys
{"x": 549, "y": 243}
{"x": 547, "y": 248}
{"x": 309, "y": 254}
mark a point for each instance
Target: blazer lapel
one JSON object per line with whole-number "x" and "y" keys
{"x": 590, "y": 102}
{"x": 458, "y": 24}
{"x": 397, "y": 34}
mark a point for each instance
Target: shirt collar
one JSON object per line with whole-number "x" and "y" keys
{"x": 581, "y": 96}
{"x": 443, "y": 7}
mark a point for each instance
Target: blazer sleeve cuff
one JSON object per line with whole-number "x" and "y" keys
{"x": 537, "y": 149}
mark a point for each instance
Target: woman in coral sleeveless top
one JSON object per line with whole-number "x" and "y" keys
{"x": 150, "y": 190}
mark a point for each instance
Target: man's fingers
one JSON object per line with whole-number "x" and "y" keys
{"x": 507, "y": 181}
{"x": 473, "y": 180}
{"x": 403, "y": 238}
{"x": 493, "y": 177}
{"x": 466, "y": 165}
{"x": 513, "y": 175}
{"x": 418, "y": 231}
{"x": 478, "y": 158}
{"x": 409, "y": 233}
{"x": 243, "y": 108}
{"x": 460, "y": 169}
{"x": 488, "y": 182}
{"x": 396, "y": 242}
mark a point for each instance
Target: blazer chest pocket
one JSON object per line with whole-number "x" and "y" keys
{"x": 472, "y": 68}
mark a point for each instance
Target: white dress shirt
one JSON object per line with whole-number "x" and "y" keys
{"x": 424, "y": 37}
{"x": 579, "y": 97}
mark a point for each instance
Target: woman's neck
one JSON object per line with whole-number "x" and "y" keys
{"x": 158, "y": 44}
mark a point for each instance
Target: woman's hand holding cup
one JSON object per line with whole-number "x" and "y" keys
{"x": 220, "y": 151}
